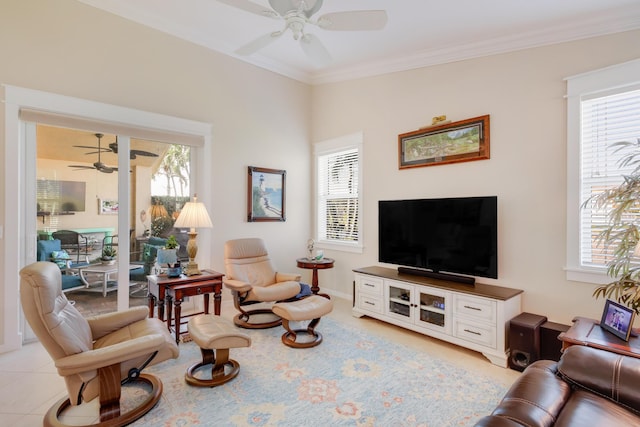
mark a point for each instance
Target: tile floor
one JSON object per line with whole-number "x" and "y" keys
{"x": 30, "y": 385}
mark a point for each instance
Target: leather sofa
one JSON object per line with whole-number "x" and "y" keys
{"x": 587, "y": 387}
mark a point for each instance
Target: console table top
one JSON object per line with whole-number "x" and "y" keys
{"x": 479, "y": 289}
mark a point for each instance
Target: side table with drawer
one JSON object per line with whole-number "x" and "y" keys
{"x": 173, "y": 291}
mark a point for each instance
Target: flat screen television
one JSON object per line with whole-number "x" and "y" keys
{"x": 448, "y": 238}
{"x": 60, "y": 196}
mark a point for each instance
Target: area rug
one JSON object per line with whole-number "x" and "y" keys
{"x": 351, "y": 379}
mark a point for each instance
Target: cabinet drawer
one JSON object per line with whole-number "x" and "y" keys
{"x": 369, "y": 285}
{"x": 476, "y": 308}
{"x": 370, "y": 303}
{"x": 477, "y": 333}
{"x": 180, "y": 292}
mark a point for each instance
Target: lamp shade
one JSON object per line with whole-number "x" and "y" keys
{"x": 193, "y": 215}
{"x": 158, "y": 211}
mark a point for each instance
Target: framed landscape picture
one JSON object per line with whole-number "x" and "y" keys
{"x": 454, "y": 142}
{"x": 266, "y": 194}
{"x": 108, "y": 207}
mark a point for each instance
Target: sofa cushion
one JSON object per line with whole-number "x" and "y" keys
{"x": 588, "y": 409}
{"x": 608, "y": 374}
{"x": 45, "y": 247}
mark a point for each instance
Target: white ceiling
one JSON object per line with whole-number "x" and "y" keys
{"x": 418, "y": 32}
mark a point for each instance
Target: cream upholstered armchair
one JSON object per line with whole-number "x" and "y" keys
{"x": 252, "y": 279}
{"x": 95, "y": 355}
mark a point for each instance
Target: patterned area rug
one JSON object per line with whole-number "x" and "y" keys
{"x": 351, "y": 379}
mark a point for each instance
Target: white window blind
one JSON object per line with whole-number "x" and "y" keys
{"x": 338, "y": 202}
{"x": 338, "y": 196}
{"x": 604, "y": 120}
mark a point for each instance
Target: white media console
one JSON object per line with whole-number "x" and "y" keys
{"x": 472, "y": 316}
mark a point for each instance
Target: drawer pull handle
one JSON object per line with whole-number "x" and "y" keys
{"x": 370, "y": 303}
{"x": 472, "y": 308}
{"x": 370, "y": 285}
{"x": 472, "y": 332}
{"x": 199, "y": 291}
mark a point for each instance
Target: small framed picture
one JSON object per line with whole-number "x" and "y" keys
{"x": 266, "y": 194}
{"x": 107, "y": 207}
{"x": 617, "y": 319}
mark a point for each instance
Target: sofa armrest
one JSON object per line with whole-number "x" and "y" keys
{"x": 610, "y": 375}
{"x": 535, "y": 399}
{"x": 495, "y": 421}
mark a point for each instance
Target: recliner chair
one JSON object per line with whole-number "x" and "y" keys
{"x": 252, "y": 279}
{"x": 95, "y": 355}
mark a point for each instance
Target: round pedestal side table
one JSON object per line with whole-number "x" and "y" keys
{"x": 315, "y": 265}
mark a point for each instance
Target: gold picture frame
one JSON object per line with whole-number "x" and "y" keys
{"x": 454, "y": 142}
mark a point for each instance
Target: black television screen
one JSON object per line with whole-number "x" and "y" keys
{"x": 60, "y": 196}
{"x": 449, "y": 235}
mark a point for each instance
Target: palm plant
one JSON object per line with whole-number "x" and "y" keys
{"x": 622, "y": 233}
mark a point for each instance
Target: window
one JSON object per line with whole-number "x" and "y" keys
{"x": 603, "y": 108}
{"x": 338, "y": 193}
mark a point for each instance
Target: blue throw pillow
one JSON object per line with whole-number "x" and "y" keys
{"x": 61, "y": 258}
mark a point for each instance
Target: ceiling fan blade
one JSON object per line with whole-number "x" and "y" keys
{"x": 142, "y": 153}
{"x": 314, "y": 49}
{"x": 251, "y": 7}
{"x": 92, "y": 148}
{"x": 285, "y": 6}
{"x": 259, "y": 43}
{"x": 81, "y": 167}
{"x": 357, "y": 20}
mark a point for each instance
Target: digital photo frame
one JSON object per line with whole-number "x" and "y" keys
{"x": 617, "y": 319}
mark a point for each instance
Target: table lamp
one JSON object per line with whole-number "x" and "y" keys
{"x": 193, "y": 215}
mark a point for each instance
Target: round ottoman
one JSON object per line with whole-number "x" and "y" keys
{"x": 215, "y": 336}
{"x": 309, "y": 308}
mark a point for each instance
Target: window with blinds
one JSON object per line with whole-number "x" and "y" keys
{"x": 604, "y": 121}
{"x": 338, "y": 196}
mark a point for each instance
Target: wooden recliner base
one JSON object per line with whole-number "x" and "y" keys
{"x": 289, "y": 338}
{"x": 110, "y": 389}
{"x": 242, "y": 319}
{"x": 218, "y": 360}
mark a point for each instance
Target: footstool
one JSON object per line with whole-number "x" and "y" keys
{"x": 309, "y": 308}
{"x": 214, "y": 333}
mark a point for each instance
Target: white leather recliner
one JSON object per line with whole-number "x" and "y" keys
{"x": 95, "y": 355}
{"x": 252, "y": 279}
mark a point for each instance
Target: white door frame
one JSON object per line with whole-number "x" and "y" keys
{"x": 17, "y": 234}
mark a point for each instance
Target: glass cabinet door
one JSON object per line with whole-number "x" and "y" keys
{"x": 399, "y": 300}
{"x": 434, "y": 311}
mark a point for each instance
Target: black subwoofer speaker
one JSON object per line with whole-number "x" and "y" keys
{"x": 524, "y": 340}
{"x": 550, "y": 345}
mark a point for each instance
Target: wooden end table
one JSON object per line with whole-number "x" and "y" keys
{"x": 588, "y": 332}
{"x": 314, "y": 265}
{"x": 173, "y": 290}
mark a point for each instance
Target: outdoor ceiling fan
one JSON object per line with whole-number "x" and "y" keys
{"x": 101, "y": 167}
{"x": 113, "y": 148}
{"x": 297, "y": 13}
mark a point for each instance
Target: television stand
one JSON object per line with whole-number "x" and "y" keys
{"x": 475, "y": 317}
{"x": 436, "y": 275}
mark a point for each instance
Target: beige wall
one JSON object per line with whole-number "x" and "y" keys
{"x": 523, "y": 92}
{"x": 259, "y": 118}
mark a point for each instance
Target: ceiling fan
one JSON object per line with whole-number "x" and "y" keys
{"x": 297, "y": 13}
{"x": 101, "y": 167}
{"x": 113, "y": 148}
